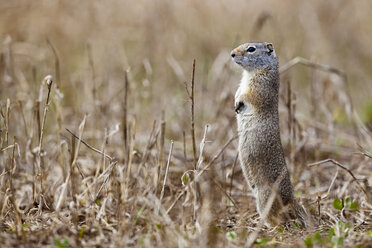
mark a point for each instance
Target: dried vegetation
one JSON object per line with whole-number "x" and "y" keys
{"x": 111, "y": 150}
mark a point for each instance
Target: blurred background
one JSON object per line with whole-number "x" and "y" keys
{"x": 97, "y": 41}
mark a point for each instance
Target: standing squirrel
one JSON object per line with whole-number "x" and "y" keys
{"x": 260, "y": 149}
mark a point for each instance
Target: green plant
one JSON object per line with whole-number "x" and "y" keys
{"x": 59, "y": 244}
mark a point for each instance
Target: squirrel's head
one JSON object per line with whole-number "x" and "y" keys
{"x": 254, "y": 56}
{"x": 260, "y": 81}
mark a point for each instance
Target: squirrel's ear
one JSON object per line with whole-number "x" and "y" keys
{"x": 270, "y": 47}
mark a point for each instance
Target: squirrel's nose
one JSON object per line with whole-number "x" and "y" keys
{"x": 232, "y": 54}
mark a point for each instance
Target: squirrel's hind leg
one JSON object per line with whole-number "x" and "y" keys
{"x": 269, "y": 209}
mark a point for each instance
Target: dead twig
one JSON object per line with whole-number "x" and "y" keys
{"x": 89, "y": 146}
{"x": 6, "y": 148}
{"x": 202, "y": 145}
{"x": 49, "y": 82}
{"x": 12, "y": 189}
{"x": 218, "y": 154}
{"x": 232, "y": 171}
{"x": 161, "y": 149}
{"x": 125, "y": 116}
{"x": 166, "y": 171}
{"x": 110, "y": 169}
{"x": 192, "y": 98}
{"x": 299, "y": 60}
{"x": 363, "y": 152}
{"x": 56, "y": 63}
{"x": 331, "y": 185}
{"x": 342, "y": 167}
{"x": 196, "y": 187}
{"x": 7, "y": 114}
{"x": 225, "y": 193}
{"x": 150, "y": 143}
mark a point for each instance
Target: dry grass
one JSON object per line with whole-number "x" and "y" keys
{"x": 130, "y": 174}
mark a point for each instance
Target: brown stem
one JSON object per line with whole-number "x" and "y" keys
{"x": 56, "y": 63}
{"x": 125, "y": 117}
{"x": 49, "y": 82}
{"x": 192, "y": 113}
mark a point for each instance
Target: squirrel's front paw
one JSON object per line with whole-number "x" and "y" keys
{"x": 242, "y": 106}
{"x": 239, "y": 106}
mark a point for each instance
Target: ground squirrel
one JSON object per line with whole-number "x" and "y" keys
{"x": 260, "y": 148}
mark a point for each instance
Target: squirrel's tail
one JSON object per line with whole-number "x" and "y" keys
{"x": 300, "y": 215}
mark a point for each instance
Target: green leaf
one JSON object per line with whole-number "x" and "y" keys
{"x": 159, "y": 226}
{"x": 318, "y": 238}
{"x": 331, "y": 232}
{"x": 337, "y": 204}
{"x": 347, "y": 201}
{"x": 296, "y": 224}
{"x": 81, "y": 234}
{"x": 185, "y": 178}
{"x": 308, "y": 242}
{"x": 354, "y": 205}
{"x": 231, "y": 235}
{"x": 339, "y": 241}
{"x": 369, "y": 233}
{"x": 359, "y": 246}
{"x": 262, "y": 241}
{"x": 60, "y": 244}
{"x": 139, "y": 213}
{"x": 280, "y": 229}
{"x": 65, "y": 243}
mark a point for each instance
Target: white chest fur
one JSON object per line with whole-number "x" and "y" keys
{"x": 244, "y": 87}
{"x": 244, "y": 84}
{"x": 246, "y": 81}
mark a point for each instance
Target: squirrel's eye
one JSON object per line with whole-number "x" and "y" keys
{"x": 251, "y": 49}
